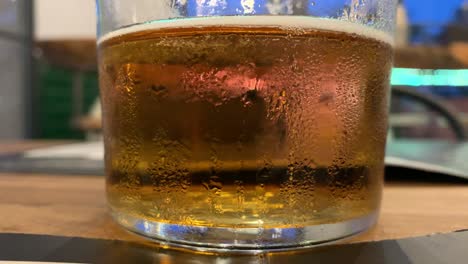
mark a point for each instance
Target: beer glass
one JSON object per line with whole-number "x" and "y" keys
{"x": 245, "y": 124}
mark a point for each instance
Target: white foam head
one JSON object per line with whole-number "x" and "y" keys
{"x": 287, "y": 22}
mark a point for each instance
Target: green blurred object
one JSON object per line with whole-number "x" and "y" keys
{"x": 56, "y": 109}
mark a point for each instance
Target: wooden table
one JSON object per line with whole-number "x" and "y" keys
{"x": 69, "y": 205}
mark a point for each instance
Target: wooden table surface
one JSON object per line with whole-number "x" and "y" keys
{"x": 68, "y": 205}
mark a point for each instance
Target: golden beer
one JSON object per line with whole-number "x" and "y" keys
{"x": 244, "y": 126}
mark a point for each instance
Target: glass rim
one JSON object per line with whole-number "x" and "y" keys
{"x": 287, "y": 23}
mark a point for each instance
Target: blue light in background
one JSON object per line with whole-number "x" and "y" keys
{"x": 431, "y": 12}
{"x": 422, "y": 77}
{"x": 432, "y": 16}
{"x": 204, "y": 8}
{"x": 323, "y": 8}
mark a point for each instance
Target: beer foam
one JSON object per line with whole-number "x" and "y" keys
{"x": 284, "y": 22}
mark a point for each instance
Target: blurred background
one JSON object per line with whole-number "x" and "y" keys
{"x": 49, "y": 87}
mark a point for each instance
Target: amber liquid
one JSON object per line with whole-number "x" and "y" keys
{"x": 244, "y": 127}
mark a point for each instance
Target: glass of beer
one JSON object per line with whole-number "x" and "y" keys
{"x": 245, "y": 124}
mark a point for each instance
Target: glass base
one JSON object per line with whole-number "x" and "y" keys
{"x": 217, "y": 239}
